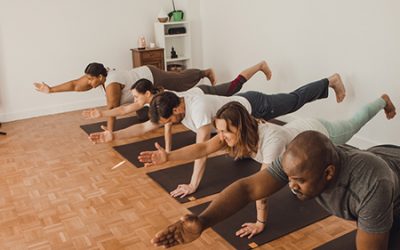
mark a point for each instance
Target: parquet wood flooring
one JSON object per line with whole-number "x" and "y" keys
{"x": 57, "y": 191}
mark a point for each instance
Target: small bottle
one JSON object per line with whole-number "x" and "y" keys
{"x": 141, "y": 42}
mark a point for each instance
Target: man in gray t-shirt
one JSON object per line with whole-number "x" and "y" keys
{"x": 361, "y": 185}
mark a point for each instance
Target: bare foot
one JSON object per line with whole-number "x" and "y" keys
{"x": 390, "y": 109}
{"x": 210, "y": 74}
{"x": 265, "y": 68}
{"x": 336, "y": 83}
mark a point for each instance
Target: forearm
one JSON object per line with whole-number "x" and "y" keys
{"x": 228, "y": 202}
{"x": 188, "y": 153}
{"x": 135, "y": 130}
{"x": 168, "y": 136}
{"x": 262, "y": 210}
{"x": 67, "y": 86}
{"x": 119, "y": 111}
{"x": 198, "y": 172}
{"x": 110, "y": 123}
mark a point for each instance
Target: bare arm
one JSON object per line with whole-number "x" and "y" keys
{"x": 187, "y": 153}
{"x": 228, "y": 202}
{"x": 203, "y": 134}
{"x": 250, "y": 229}
{"x": 168, "y": 136}
{"x": 132, "y": 131}
{"x": 371, "y": 241}
{"x": 239, "y": 194}
{"x": 136, "y": 130}
{"x": 122, "y": 110}
{"x": 113, "y": 93}
{"x": 80, "y": 84}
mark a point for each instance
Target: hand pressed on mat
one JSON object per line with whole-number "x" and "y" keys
{"x": 182, "y": 190}
{"x": 250, "y": 229}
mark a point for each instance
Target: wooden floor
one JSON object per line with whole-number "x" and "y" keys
{"x": 57, "y": 191}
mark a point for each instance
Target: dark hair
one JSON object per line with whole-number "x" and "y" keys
{"x": 143, "y": 85}
{"x": 235, "y": 114}
{"x": 163, "y": 105}
{"x": 96, "y": 69}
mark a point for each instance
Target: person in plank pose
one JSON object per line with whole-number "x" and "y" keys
{"x": 244, "y": 136}
{"x": 196, "y": 112}
{"x": 144, "y": 92}
{"x": 354, "y": 184}
{"x": 117, "y": 83}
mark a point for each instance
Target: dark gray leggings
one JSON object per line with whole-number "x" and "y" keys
{"x": 270, "y": 106}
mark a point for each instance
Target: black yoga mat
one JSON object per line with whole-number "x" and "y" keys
{"x": 119, "y": 124}
{"x": 286, "y": 214}
{"x": 344, "y": 242}
{"x": 220, "y": 172}
{"x": 131, "y": 151}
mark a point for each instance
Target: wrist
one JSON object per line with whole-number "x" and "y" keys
{"x": 261, "y": 221}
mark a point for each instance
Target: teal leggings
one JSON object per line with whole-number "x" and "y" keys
{"x": 341, "y": 131}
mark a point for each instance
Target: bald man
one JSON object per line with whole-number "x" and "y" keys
{"x": 353, "y": 184}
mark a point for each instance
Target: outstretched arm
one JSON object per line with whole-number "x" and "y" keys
{"x": 132, "y": 131}
{"x": 203, "y": 134}
{"x": 227, "y": 203}
{"x": 80, "y": 84}
{"x": 187, "y": 153}
{"x": 119, "y": 111}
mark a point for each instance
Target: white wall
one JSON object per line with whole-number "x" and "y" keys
{"x": 53, "y": 41}
{"x": 307, "y": 40}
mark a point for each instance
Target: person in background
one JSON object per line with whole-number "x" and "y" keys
{"x": 117, "y": 83}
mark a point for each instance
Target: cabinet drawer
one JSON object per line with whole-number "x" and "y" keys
{"x": 150, "y": 55}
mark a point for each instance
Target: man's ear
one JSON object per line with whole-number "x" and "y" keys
{"x": 330, "y": 172}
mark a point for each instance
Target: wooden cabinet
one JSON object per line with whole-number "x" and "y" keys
{"x": 148, "y": 56}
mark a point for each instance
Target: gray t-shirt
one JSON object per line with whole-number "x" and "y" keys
{"x": 366, "y": 189}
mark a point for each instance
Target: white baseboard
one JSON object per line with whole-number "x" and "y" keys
{"x": 356, "y": 141}
{"x": 55, "y": 109}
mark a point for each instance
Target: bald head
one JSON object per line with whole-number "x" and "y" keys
{"x": 310, "y": 162}
{"x": 311, "y": 151}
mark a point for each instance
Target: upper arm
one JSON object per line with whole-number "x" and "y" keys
{"x": 371, "y": 241}
{"x": 261, "y": 185}
{"x": 113, "y": 93}
{"x": 81, "y": 84}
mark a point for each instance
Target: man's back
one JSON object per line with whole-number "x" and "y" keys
{"x": 367, "y": 187}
